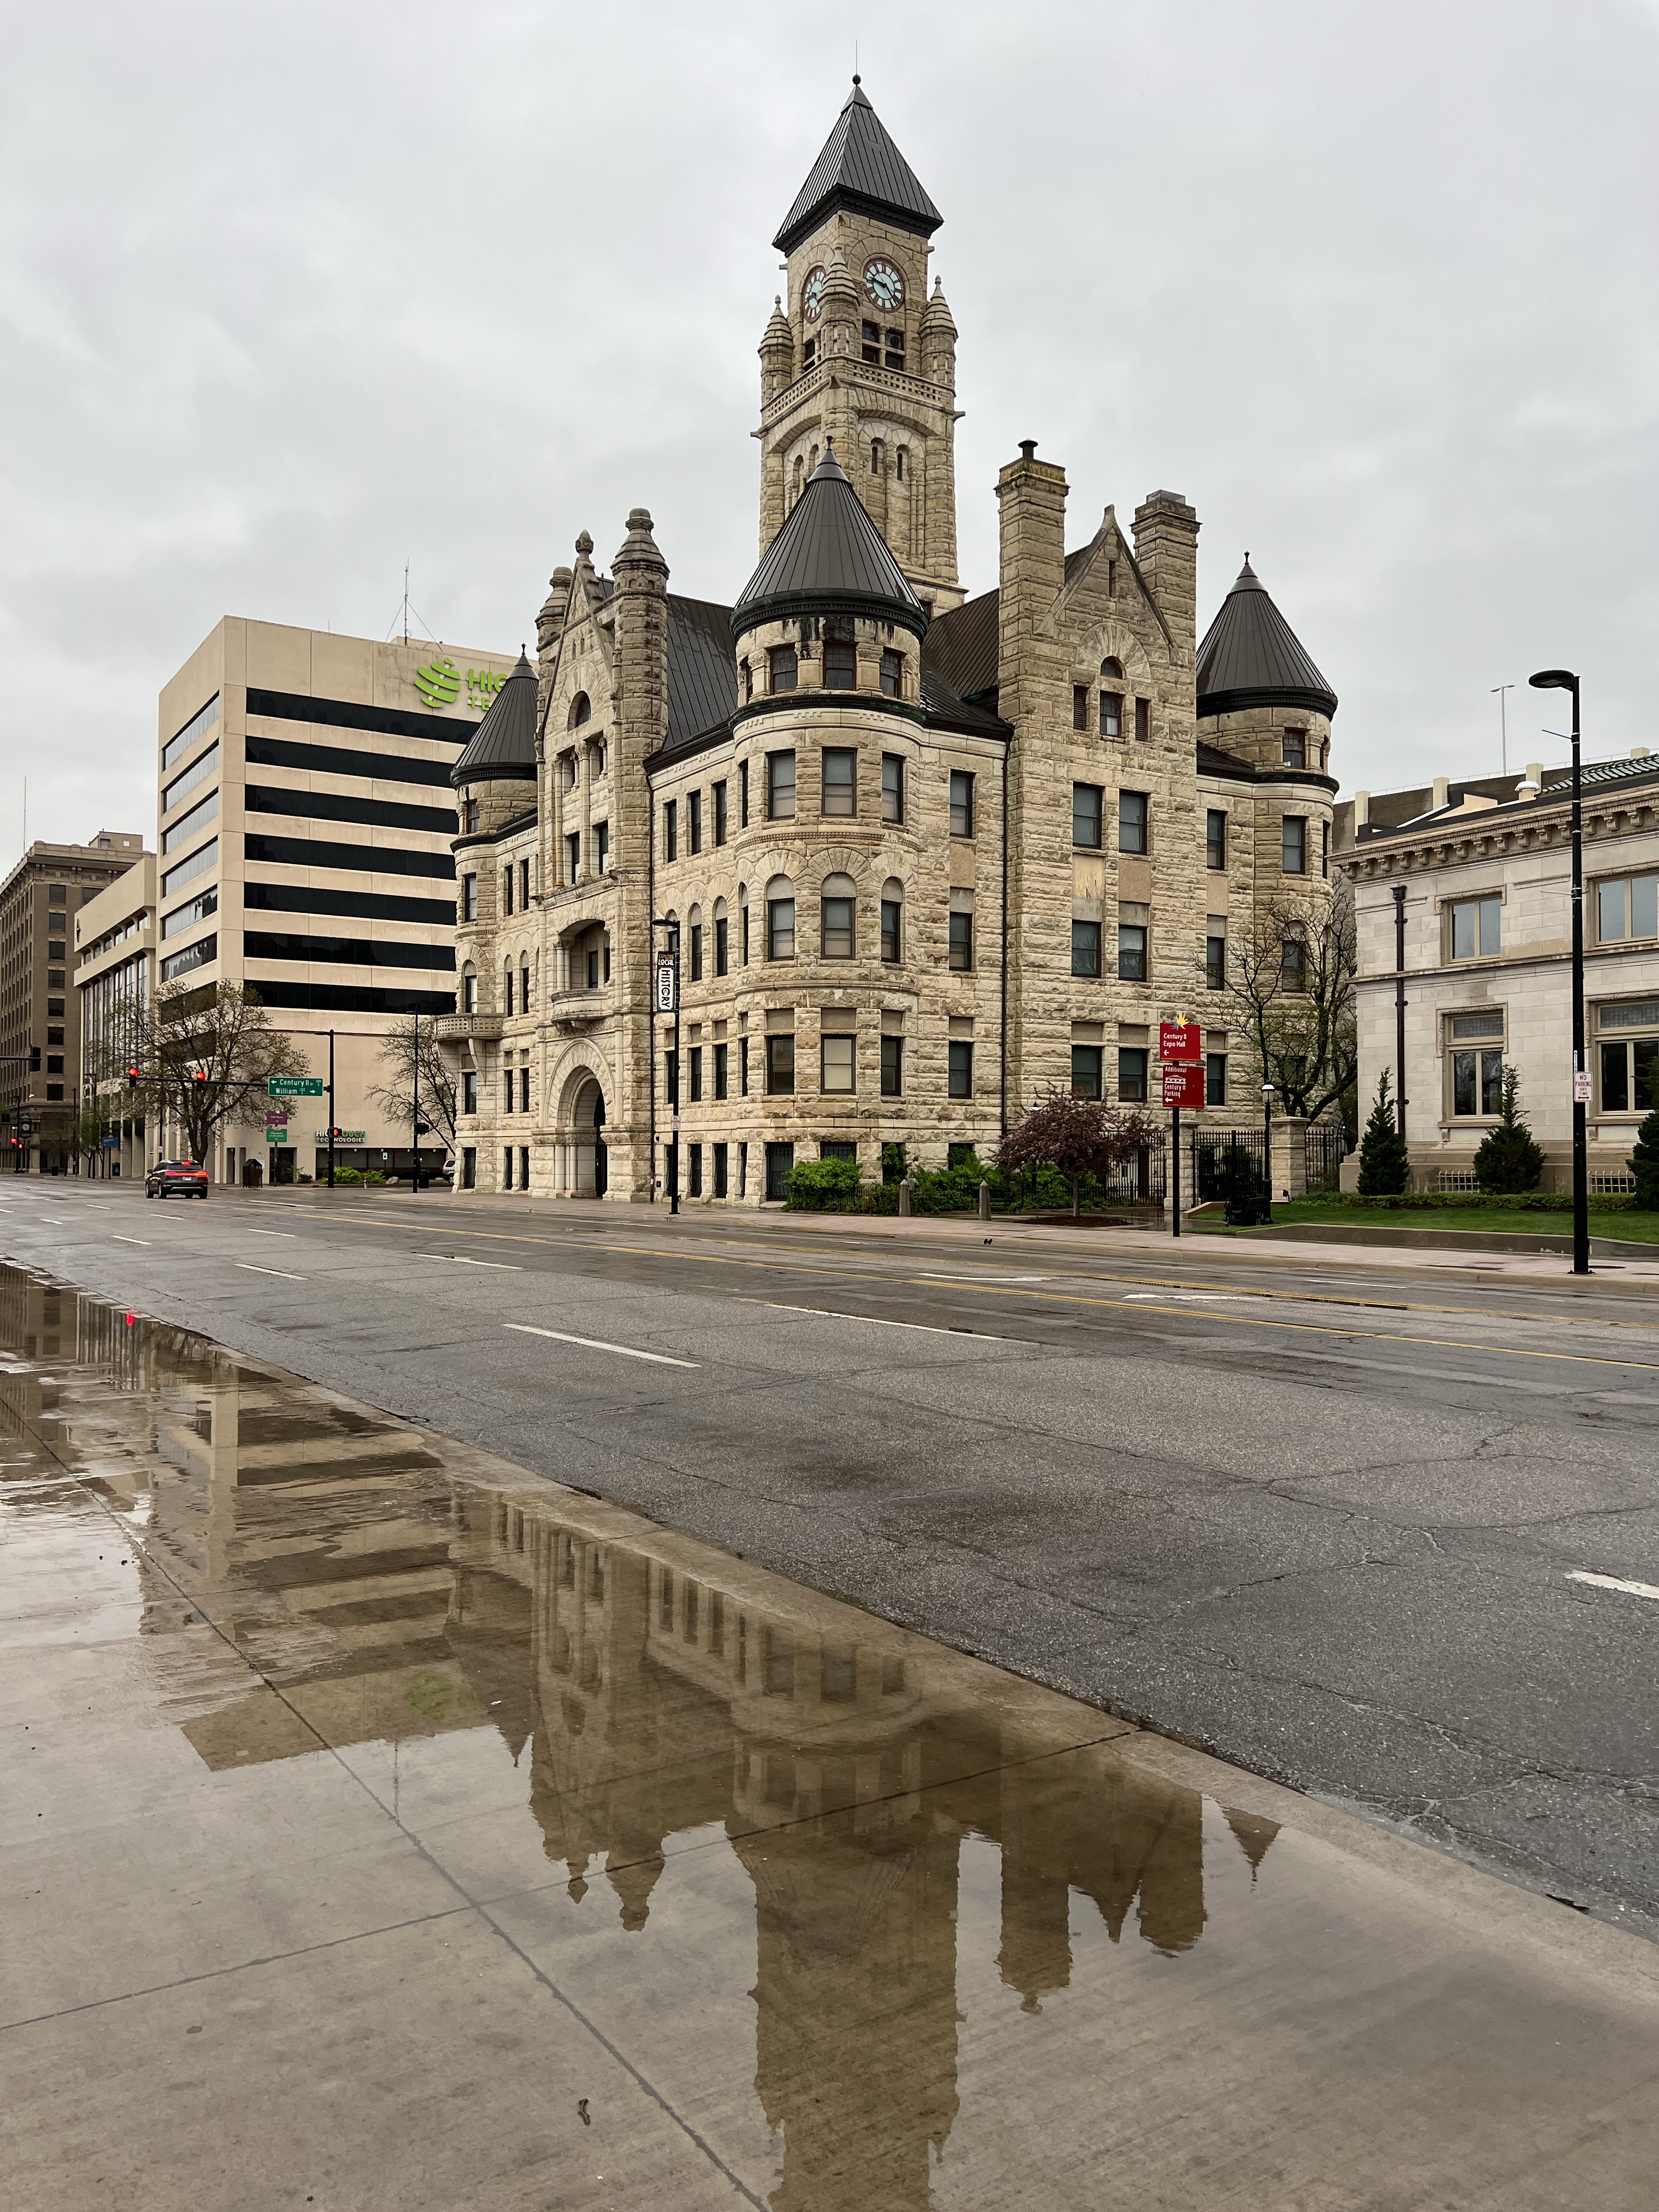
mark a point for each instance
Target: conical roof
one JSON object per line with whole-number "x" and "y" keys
{"x": 829, "y": 552}
{"x": 1250, "y": 657}
{"x": 503, "y": 746}
{"x": 859, "y": 167}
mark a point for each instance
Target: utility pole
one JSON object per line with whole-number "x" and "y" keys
{"x": 417, "y": 1104}
{"x": 1399, "y": 1008}
{"x": 1563, "y": 679}
{"x": 330, "y": 1109}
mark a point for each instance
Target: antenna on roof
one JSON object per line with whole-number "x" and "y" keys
{"x": 1503, "y": 725}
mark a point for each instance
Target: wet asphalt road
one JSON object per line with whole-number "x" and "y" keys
{"x": 1334, "y": 1528}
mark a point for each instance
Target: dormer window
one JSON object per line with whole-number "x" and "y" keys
{"x": 1111, "y": 702}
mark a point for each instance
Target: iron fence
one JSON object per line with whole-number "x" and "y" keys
{"x": 1323, "y": 1155}
{"x": 1228, "y": 1163}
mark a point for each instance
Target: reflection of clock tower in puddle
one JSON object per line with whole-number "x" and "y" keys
{"x": 857, "y": 352}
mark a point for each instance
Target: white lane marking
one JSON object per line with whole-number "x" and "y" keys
{"x": 991, "y": 1282}
{"x": 880, "y": 1321}
{"x": 595, "y": 1343}
{"x": 289, "y": 1233}
{"x": 1614, "y": 1583}
{"x": 114, "y": 1239}
{"x": 1190, "y": 1297}
{"x": 248, "y": 1267}
{"x": 464, "y": 1260}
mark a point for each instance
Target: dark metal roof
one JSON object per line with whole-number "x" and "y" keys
{"x": 828, "y": 550}
{"x": 1250, "y": 657}
{"x": 945, "y": 709}
{"x": 703, "y": 673}
{"x": 859, "y": 167}
{"x": 962, "y": 648}
{"x": 503, "y": 746}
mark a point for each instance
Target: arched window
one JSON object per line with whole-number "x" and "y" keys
{"x": 898, "y": 469}
{"x": 694, "y": 945}
{"x": 469, "y": 989}
{"x": 722, "y": 940}
{"x": 875, "y": 457}
{"x": 838, "y": 910}
{"x": 892, "y": 920}
{"x": 780, "y": 919}
{"x": 1111, "y": 702}
{"x": 812, "y": 461}
{"x": 581, "y": 710}
{"x": 597, "y": 764}
{"x": 801, "y": 479}
{"x": 506, "y": 988}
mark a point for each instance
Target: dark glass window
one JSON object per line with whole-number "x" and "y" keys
{"x": 1087, "y": 1076}
{"x": 892, "y": 787}
{"x": 961, "y": 803}
{"x": 721, "y": 1155}
{"x": 1131, "y": 952}
{"x": 1131, "y": 1074}
{"x": 1477, "y": 1082}
{"x": 1143, "y": 719}
{"x": 893, "y": 675}
{"x": 961, "y": 1065}
{"x": 1086, "y": 948}
{"x": 1111, "y": 714}
{"x": 696, "y": 951}
{"x": 836, "y": 940}
{"x": 694, "y": 1072}
{"x": 1087, "y": 802}
{"x": 780, "y": 787}
{"x": 1296, "y": 749}
{"x": 671, "y": 834}
{"x": 961, "y": 941}
{"x": 780, "y": 1066}
{"x": 1079, "y": 705}
{"x": 1215, "y": 838}
{"x": 841, "y": 664}
{"x": 892, "y": 932}
{"x": 694, "y": 1189}
{"x": 892, "y": 1067}
{"x": 693, "y": 823}
{"x": 742, "y": 794}
{"x": 780, "y": 1166}
{"x": 839, "y": 781}
{"x": 1215, "y": 962}
{"x": 1132, "y": 821}
{"x": 720, "y": 813}
{"x": 783, "y": 667}
{"x": 780, "y": 929}
{"x": 1293, "y": 965}
{"x": 1215, "y": 1079}
{"x": 1293, "y": 845}
{"x": 722, "y": 936}
{"x": 721, "y": 1066}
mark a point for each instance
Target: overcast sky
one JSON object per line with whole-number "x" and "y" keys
{"x": 290, "y": 297}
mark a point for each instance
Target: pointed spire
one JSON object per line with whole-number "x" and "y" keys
{"x": 638, "y": 549}
{"x": 1251, "y": 657}
{"x": 936, "y": 316}
{"x": 502, "y": 749}
{"x": 859, "y": 167}
{"x": 829, "y": 554}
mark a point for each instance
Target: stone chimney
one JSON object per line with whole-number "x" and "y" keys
{"x": 1031, "y": 524}
{"x": 1166, "y": 552}
{"x": 1441, "y": 793}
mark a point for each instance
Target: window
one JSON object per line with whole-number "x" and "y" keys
{"x": 693, "y": 823}
{"x": 891, "y": 934}
{"x": 720, "y": 813}
{"x": 54, "y": 1063}
{"x": 524, "y": 1101}
{"x": 1630, "y": 1066}
{"x": 1131, "y": 952}
{"x": 1293, "y": 962}
{"x": 694, "y": 1189}
{"x": 507, "y": 888}
{"x": 838, "y": 1053}
{"x": 1215, "y": 1079}
{"x": 469, "y": 990}
{"x": 875, "y": 457}
{"x": 892, "y": 787}
{"x": 835, "y": 939}
{"x": 671, "y": 830}
{"x": 961, "y": 1068}
{"x": 1086, "y": 948}
{"x": 1079, "y": 705}
{"x": 961, "y": 803}
{"x": 506, "y": 1090}
{"x": 1087, "y": 802}
{"x": 694, "y": 1091}
{"x": 743, "y": 1073}
{"x": 722, "y": 944}
{"x": 1132, "y": 1073}
{"x": 189, "y": 824}
{"x": 1143, "y": 719}
{"x": 671, "y": 1076}
{"x": 1627, "y": 908}
{"x": 524, "y": 886}
{"x": 780, "y": 787}
{"x": 469, "y": 1167}
{"x": 780, "y": 1067}
{"x": 1132, "y": 821}
{"x": 1477, "y": 1082}
{"x": 962, "y": 942}
{"x": 573, "y": 851}
{"x": 469, "y": 821}
{"x": 507, "y": 989}
{"x": 469, "y": 1091}
{"x": 1476, "y": 927}
{"x": 722, "y": 1061}
{"x": 54, "y": 1092}
{"x": 1293, "y": 845}
{"x": 468, "y": 898}
{"x": 200, "y": 769}
{"x": 602, "y": 846}
{"x": 747, "y": 674}
{"x": 870, "y": 336}
{"x": 841, "y": 664}
{"x": 1215, "y": 961}
{"x": 1296, "y": 749}
{"x": 894, "y": 354}
{"x": 1325, "y": 850}
{"x": 892, "y": 674}
{"x": 898, "y": 464}
{"x": 780, "y": 929}
{"x": 892, "y": 1067}
{"x": 1087, "y": 1071}
{"x": 696, "y": 934}
{"x": 745, "y": 937}
{"x": 506, "y": 1168}
{"x": 1215, "y": 838}
{"x": 782, "y": 668}
{"x": 839, "y": 781}
{"x": 1111, "y": 714}
{"x": 581, "y": 710}
{"x": 722, "y": 1152}
{"x": 742, "y": 794}
{"x": 780, "y": 1166}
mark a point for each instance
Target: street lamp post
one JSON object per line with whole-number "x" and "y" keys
{"x": 1267, "y": 1146}
{"x": 1563, "y": 679}
{"x": 673, "y": 962}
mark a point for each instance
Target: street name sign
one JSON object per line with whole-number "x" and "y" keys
{"x": 1183, "y": 1084}
{"x": 294, "y": 1086}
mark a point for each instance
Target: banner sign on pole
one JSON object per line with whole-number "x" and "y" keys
{"x": 1183, "y": 1084}
{"x": 1180, "y": 1041}
{"x": 665, "y": 984}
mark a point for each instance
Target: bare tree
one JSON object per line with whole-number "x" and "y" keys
{"x": 400, "y": 1055}
{"x": 1290, "y": 989}
{"x": 197, "y": 1058}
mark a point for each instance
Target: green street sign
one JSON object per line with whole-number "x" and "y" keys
{"x": 294, "y": 1086}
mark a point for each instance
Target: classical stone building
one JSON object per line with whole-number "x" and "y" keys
{"x": 924, "y": 855}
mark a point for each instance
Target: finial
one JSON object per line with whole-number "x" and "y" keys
{"x": 857, "y": 79}
{"x": 829, "y": 445}
{"x": 584, "y": 545}
{"x": 777, "y": 301}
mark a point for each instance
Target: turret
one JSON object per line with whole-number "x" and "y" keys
{"x": 777, "y": 355}
{"x": 549, "y": 623}
{"x": 938, "y": 341}
{"x": 1259, "y": 694}
{"x": 839, "y": 320}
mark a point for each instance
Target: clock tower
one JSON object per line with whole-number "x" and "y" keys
{"x": 859, "y": 354}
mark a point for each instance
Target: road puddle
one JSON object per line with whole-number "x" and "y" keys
{"x": 494, "y": 1845}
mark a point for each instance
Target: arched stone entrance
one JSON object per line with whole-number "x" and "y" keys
{"x": 589, "y": 1162}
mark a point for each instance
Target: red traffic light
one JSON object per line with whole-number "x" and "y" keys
{"x": 132, "y": 1078}
{"x": 201, "y": 1075}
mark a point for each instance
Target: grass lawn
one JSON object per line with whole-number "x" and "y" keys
{"x": 1635, "y": 1228}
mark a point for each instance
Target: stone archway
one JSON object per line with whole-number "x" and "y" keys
{"x": 587, "y": 1159}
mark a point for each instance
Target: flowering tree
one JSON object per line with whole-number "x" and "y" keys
{"x": 1079, "y": 1136}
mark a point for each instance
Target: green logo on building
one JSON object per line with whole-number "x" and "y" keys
{"x": 440, "y": 685}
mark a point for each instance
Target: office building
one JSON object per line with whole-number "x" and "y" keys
{"x": 40, "y": 1038}
{"x": 114, "y": 974}
{"x": 304, "y": 821}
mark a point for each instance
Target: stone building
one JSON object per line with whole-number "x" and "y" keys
{"x": 926, "y": 855}
{"x": 1476, "y": 878}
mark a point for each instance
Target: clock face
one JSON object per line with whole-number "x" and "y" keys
{"x": 883, "y": 287}
{"x": 811, "y": 295}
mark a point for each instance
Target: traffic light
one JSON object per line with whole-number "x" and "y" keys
{"x": 201, "y": 1075}
{"x": 132, "y": 1078}
{"x": 337, "y": 1134}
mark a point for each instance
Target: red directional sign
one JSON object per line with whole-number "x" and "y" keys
{"x": 1183, "y": 1084}
{"x": 1179, "y": 1041}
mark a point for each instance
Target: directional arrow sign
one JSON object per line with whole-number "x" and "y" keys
{"x": 294, "y": 1086}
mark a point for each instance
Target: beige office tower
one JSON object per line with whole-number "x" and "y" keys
{"x": 305, "y": 821}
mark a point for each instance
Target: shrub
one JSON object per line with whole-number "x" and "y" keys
{"x": 1384, "y": 1166}
{"x": 1509, "y": 1159}
{"x": 1644, "y": 1161}
{"x": 374, "y": 1175}
{"x": 347, "y": 1175}
{"x": 825, "y": 1187}
{"x": 894, "y": 1159}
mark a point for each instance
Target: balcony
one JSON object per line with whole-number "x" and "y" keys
{"x": 455, "y": 1028}
{"x": 572, "y": 1011}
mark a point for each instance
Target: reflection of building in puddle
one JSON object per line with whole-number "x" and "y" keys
{"x": 659, "y": 1687}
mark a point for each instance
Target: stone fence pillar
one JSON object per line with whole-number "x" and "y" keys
{"x": 1289, "y": 1156}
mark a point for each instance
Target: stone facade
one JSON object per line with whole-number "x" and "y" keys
{"x": 1485, "y": 870}
{"x": 1011, "y": 882}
